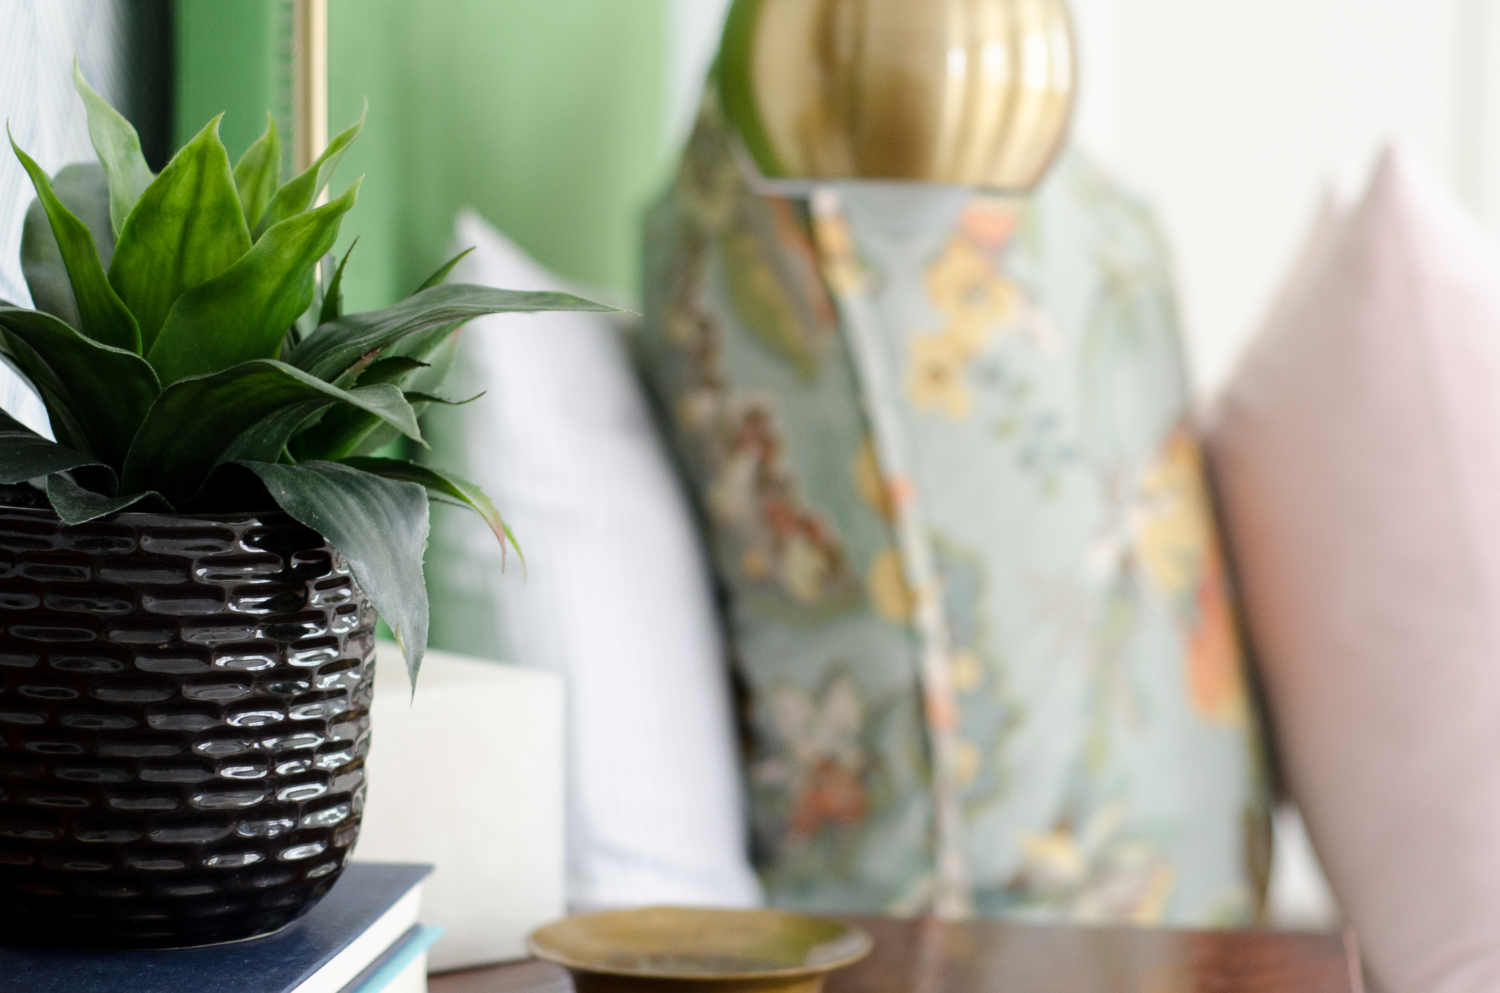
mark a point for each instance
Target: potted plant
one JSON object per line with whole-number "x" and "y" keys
{"x": 188, "y": 598}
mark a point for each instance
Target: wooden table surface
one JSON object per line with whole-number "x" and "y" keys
{"x": 927, "y": 956}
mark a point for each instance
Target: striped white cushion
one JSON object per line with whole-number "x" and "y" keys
{"x": 617, "y": 596}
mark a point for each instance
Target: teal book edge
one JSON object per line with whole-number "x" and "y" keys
{"x": 385, "y": 969}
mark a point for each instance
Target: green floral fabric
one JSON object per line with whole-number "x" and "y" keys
{"x": 972, "y": 581}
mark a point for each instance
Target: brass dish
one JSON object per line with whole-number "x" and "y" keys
{"x": 690, "y": 950}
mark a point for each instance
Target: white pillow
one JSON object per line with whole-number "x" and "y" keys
{"x": 617, "y": 596}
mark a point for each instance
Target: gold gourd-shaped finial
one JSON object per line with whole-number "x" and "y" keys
{"x": 973, "y": 92}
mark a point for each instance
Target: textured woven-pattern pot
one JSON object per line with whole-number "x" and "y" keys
{"x": 184, "y": 715}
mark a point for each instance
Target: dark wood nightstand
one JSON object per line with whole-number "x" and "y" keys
{"x": 928, "y": 956}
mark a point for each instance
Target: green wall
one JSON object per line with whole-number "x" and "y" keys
{"x": 229, "y": 61}
{"x": 544, "y": 115}
{"x": 547, "y": 116}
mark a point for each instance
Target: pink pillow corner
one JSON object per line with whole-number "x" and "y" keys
{"x": 1356, "y": 456}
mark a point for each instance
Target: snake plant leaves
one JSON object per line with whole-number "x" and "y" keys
{"x": 343, "y": 432}
{"x": 349, "y": 431}
{"x": 26, "y": 363}
{"x": 119, "y": 150}
{"x": 243, "y": 313}
{"x": 297, "y": 195}
{"x": 380, "y": 527}
{"x": 269, "y": 439}
{"x": 441, "y": 275}
{"x": 258, "y": 173}
{"x": 339, "y": 344}
{"x": 445, "y": 484}
{"x": 390, "y": 370}
{"x": 422, "y": 344}
{"x": 346, "y": 431}
{"x": 333, "y": 297}
{"x": 187, "y": 228}
{"x": 415, "y": 397}
{"x": 109, "y": 390}
{"x": 102, "y": 315}
{"x": 24, "y": 454}
{"x": 419, "y": 347}
{"x": 83, "y": 189}
{"x": 182, "y": 364}
{"x": 78, "y": 505}
{"x": 395, "y": 369}
{"x": 436, "y": 346}
{"x": 248, "y": 411}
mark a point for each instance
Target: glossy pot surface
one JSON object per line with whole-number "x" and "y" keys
{"x": 184, "y": 715}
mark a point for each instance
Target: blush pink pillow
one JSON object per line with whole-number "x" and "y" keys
{"x": 1357, "y": 457}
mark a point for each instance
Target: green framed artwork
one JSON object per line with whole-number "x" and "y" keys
{"x": 548, "y": 119}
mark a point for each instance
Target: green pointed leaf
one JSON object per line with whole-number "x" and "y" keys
{"x": 390, "y": 370}
{"x": 77, "y": 505}
{"x": 337, "y": 345}
{"x": 379, "y": 440}
{"x": 243, "y": 313}
{"x": 438, "y": 347}
{"x": 336, "y": 434}
{"x": 346, "y": 431}
{"x": 258, "y": 173}
{"x": 119, "y": 150}
{"x": 24, "y": 454}
{"x": 297, "y": 195}
{"x": 102, "y": 315}
{"x": 382, "y": 404}
{"x": 380, "y": 527}
{"x": 109, "y": 389}
{"x": 83, "y": 189}
{"x": 333, "y": 303}
{"x": 418, "y": 347}
{"x": 343, "y": 431}
{"x": 415, "y": 397}
{"x": 446, "y": 484}
{"x": 292, "y": 337}
{"x": 249, "y": 410}
{"x": 438, "y": 278}
{"x": 187, "y": 228}
{"x": 67, "y": 426}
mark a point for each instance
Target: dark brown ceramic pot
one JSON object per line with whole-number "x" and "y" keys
{"x": 184, "y": 715}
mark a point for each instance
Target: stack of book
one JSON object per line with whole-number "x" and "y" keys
{"x": 363, "y": 937}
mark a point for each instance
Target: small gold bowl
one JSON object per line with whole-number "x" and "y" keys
{"x": 692, "y": 950}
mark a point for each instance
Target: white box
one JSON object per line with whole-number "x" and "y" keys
{"x": 467, "y": 774}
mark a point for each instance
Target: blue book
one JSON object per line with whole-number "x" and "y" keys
{"x": 368, "y": 915}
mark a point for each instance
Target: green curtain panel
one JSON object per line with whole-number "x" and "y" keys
{"x": 547, "y": 118}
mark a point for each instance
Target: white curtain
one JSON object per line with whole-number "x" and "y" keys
{"x": 38, "y": 41}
